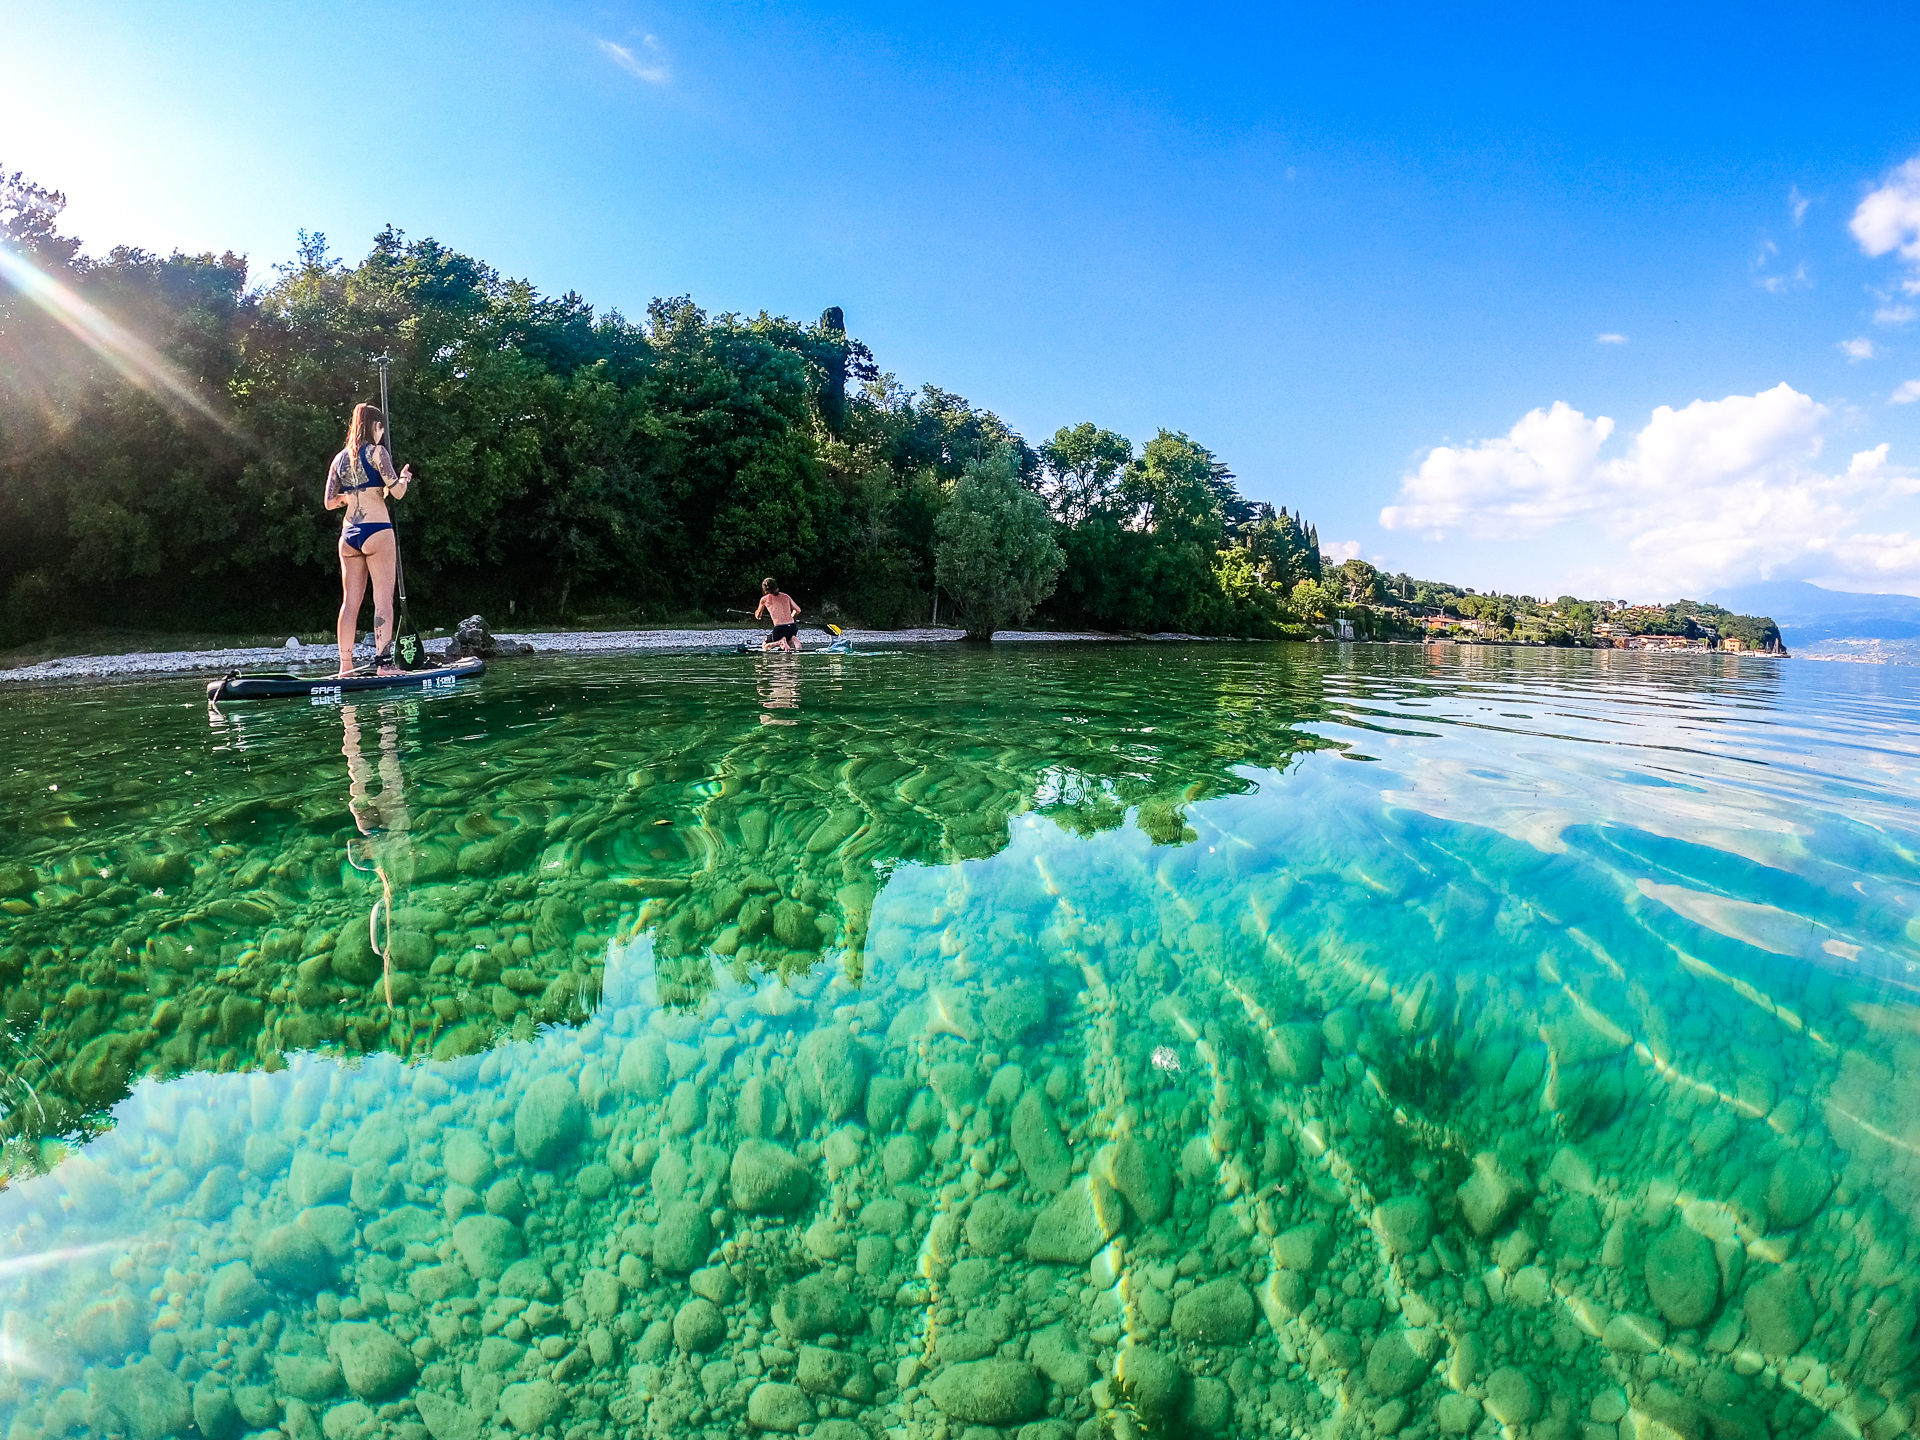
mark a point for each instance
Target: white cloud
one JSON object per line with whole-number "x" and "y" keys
{"x": 1718, "y": 492}
{"x": 648, "y": 63}
{"x": 1797, "y": 279}
{"x": 1889, "y": 218}
{"x": 1612, "y": 337}
{"x": 1861, "y": 349}
{"x": 1906, "y": 394}
{"x": 1894, "y": 314}
{"x": 1342, "y": 550}
{"x": 1797, "y": 204}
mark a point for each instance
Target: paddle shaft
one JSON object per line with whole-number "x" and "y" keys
{"x": 403, "y": 620}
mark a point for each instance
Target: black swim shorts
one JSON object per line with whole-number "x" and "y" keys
{"x": 785, "y": 632}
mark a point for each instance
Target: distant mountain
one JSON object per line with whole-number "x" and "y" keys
{"x": 1809, "y": 616}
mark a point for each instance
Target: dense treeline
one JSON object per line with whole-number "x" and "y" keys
{"x": 165, "y": 428}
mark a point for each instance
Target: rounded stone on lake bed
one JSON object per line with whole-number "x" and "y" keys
{"x": 531, "y": 1405}
{"x": 486, "y": 1244}
{"x": 1401, "y": 1359}
{"x": 1076, "y": 1223}
{"x": 1511, "y": 1396}
{"x": 548, "y": 1121}
{"x": 698, "y": 1326}
{"x": 1304, "y": 1247}
{"x": 1797, "y": 1188}
{"x": 234, "y": 1294}
{"x": 1141, "y": 1173}
{"x": 293, "y": 1257}
{"x": 988, "y": 1392}
{"x": 766, "y": 1179}
{"x": 996, "y": 1224}
{"x": 1153, "y": 1379}
{"x": 1405, "y": 1223}
{"x": 1634, "y": 1334}
{"x": 1780, "y": 1313}
{"x": 1683, "y": 1277}
{"x": 1217, "y": 1313}
{"x": 772, "y": 1405}
{"x": 372, "y": 1362}
{"x": 903, "y": 1158}
{"x": 683, "y": 1238}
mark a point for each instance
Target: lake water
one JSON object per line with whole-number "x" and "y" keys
{"x": 1047, "y": 1041}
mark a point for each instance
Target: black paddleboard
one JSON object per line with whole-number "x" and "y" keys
{"x": 236, "y": 686}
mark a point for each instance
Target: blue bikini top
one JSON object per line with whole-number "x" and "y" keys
{"x": 367, "y": 465}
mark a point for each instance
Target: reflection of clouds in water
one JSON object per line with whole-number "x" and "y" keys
{"x": 1539, "y": 806}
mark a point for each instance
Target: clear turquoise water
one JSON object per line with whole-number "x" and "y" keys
{"x": 1044, "y": 1041}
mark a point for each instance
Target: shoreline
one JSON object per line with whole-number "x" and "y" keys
{"x": 160, "y": 663}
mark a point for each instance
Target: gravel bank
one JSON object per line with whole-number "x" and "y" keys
{"x": 175, "y": 662}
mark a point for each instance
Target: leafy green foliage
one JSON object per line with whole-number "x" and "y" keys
{"x": 566, "y": 458}
{"x": 995, "y": 552}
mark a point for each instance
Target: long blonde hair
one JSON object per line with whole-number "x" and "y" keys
{"x": 360, "y": 430}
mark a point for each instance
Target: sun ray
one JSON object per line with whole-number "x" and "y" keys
{"x": 131, "y": 357}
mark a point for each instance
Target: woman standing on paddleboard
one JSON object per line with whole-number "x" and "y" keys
{"x": 360, "y": 480}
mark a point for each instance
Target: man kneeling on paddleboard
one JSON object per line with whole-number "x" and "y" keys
{"x": 779, "y": 607}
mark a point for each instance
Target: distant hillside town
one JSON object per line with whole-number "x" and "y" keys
{"x": 1377, "y": 605}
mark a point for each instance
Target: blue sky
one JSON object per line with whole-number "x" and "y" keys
{"x": 1350, "y": 255}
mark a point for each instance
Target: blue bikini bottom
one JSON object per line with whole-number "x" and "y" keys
{"x": 358, "y": 533}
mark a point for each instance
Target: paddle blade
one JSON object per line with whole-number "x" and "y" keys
{"x": 409, "y": 649}
{"x": 833, "y": 630}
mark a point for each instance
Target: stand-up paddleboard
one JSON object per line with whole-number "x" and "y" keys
{"x": 839, "y": 644}
{"x": 235, "y": 686}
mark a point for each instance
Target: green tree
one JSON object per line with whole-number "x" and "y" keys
{"x": 1358, "y": 582}
{"x": 995, "y": 553}
{"x": 1313, "y": 601}
{"x": 1084, "y": 466}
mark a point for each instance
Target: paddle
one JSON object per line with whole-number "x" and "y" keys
{"x": 408, "y": 648}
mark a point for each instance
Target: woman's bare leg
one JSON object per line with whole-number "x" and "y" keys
{"x": 353, "y": 589}
{"x": 380, "y": 553}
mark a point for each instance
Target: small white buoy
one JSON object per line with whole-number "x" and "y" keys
{"x": 293, "y": 642}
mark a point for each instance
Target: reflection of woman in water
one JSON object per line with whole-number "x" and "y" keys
{"x": 779, "y": 686}
{"x": 383, "y": 820}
